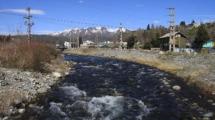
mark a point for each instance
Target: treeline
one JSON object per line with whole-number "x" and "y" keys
{"x": 149, "y": 37}
{"x": 145, "y": 38}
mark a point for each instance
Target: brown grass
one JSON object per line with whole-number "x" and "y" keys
{"x": 27, "y": 56}
{"x": 10, "y": 97}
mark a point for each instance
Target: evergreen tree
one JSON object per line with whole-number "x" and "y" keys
{"x": 193, "y": 23}
{"x": 156, "y": 42}
{"x": 147, "y": 45}
{"x": 131, "y": 41}
{"x": 80, "y": 41}
{"x": 201, "y": 37}
{"x": 148, "y": 27}
{"x": 182, "y": 23}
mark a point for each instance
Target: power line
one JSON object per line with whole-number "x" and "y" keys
{"x": 75, "y": 22}
{"x": 65, "y": 20}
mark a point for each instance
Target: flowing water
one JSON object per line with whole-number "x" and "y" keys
{"x": 106, "y": 89}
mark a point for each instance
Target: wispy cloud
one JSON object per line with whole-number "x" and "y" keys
{"x": 80, "y": 1}
{"x": 23, "y": 11}
{"x": 156, "y": 22}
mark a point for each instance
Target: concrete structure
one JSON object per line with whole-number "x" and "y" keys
{"x": 180, "y": 41}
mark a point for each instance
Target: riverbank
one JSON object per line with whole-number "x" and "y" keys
{"x": 196, "y": 69}
{"x": 109, "y": 89}
{"x": 19, "y": 87}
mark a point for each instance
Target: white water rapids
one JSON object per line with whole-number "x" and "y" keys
{"x": 98, "y": 108}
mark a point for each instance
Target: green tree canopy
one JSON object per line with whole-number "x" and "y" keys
{"x": 148, "y": 27}
{"x": 183, "y": 23}
{"x": 131, "y": 41}
{"x": 201, "y": 37}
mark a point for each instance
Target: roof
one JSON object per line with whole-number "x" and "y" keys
{"x": 168, "y": 35}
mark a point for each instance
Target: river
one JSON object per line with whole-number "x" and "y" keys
{"x": 107, "y": 89}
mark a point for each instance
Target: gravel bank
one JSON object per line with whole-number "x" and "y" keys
{"x": 196, "y": 69}
{"x": 18, "y": 88}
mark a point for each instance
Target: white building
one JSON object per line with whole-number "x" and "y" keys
{"x": 67, "y": 44}
{"x": 88, "y": 43}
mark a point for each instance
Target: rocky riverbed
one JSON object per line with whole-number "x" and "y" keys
{"x": 107, "y": 89}
{"x": 18, "y": 87}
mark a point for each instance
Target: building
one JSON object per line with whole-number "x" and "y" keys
{"x": 181, "y": 41}
{"x": 88, "y": 44}
{"x": 67, "y": 44}
{"x": 209, "y": 44}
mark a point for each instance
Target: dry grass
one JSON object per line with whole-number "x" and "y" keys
{"x": 10, "y": 97}
{"x": 28, "y": 57}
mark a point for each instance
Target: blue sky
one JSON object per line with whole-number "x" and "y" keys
{"x": 132, "y": 13}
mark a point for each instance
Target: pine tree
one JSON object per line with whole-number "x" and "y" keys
{"x": 193, "y": 23}
{"x": 131, "y": 41}
{"x": 148, "y": 27}
{"x": 156, "y": 42}
{"x": 201, "y": 37}
{"x": 182, "y": 23}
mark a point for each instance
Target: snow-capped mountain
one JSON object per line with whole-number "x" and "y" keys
{"x": 91, "y": 33}
{"x": 88, "y": 31}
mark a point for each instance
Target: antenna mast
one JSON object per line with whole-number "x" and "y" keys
{"x": 29, "y": 23}
{"x": 172, "y": 29}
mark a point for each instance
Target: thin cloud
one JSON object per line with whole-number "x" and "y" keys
{"x": 23, "y": 11}
{"x": 156, "y": 22}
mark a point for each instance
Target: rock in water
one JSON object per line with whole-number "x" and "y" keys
{"x": 208, "y": 115}
{"x": 21, "y": 111}
{"x": 176, "y": 87}
{"x": 56, "y": 74}
{"x": 161, "y": 52}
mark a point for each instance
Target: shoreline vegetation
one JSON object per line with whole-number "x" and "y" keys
{"x": 196, "y": 69}
{"x": 27, "y": 71}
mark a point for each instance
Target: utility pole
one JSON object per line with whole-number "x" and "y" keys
{"x": 97, "y": 40}
{"x": 70, "y": 39}
{"x": 121, "y": 32}
{"x": 73, "y": 41}
{"x": 29, "y": 23}
{"x": 78, "y": 39}
{"x": 172, "y": 29}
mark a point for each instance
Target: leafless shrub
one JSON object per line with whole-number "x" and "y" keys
{"x": 26, "y": 56}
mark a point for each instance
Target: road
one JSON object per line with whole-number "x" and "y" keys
{"x": 107, "y": 89}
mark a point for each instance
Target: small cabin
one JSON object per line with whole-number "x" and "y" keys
{"x": 180, "y": 41}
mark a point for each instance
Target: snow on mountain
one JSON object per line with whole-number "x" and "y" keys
{"x": 88, "y": 31}
{"x": 113, "y": 30}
